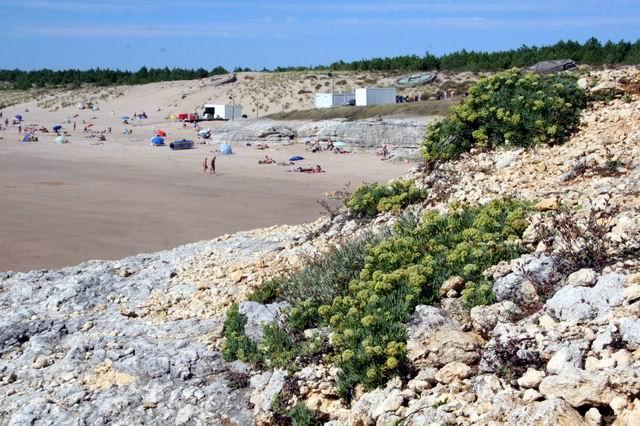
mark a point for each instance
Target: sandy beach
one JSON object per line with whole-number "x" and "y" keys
{"x": 62, "y": 204}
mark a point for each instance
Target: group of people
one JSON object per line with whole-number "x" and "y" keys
{"x": 209, "y": 169}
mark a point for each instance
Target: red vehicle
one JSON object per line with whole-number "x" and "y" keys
{"x": 183, "y": 116}
{"x": 193, "y": 117}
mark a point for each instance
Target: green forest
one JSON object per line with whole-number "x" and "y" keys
{"x": 591, "y": 52}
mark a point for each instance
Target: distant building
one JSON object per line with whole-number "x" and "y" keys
{"x": 375, "y": 96}
{"x": 330, "y": 100}
{"x": 221, "y": 112}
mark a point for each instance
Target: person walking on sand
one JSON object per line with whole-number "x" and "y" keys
{"x": 205, "y": 165}
{"x": 74, "y": 126}
{"x": 213, "y": 165}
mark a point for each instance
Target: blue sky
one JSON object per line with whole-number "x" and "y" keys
{"x": 127, "y": 34}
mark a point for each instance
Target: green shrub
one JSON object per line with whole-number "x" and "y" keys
{"x": 513, "y": 108}
{"x": 302, "y": 416}
{"x": 267, "y": 293}
{"x": 276, "y": 350}
{"x": 408, "y": 269}
{"x": 370, "y": 200}
{"x": 236, "y": 344}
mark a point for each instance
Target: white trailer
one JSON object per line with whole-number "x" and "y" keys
{"x": 375, "y": 96}
{"x": 330, "y": 100}
{"x": 221, "y": 112}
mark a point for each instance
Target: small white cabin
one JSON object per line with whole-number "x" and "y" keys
{"x": 330, "y": 100}
{"x": 375, "y": 96}
{"x": 221, "y": 112}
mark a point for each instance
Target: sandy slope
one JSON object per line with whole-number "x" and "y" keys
{"x": 62, "y": 204}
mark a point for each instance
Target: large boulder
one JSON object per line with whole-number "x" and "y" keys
{"x": 585, "y": 303}
{"x": 435, "y": 340}
{"x": 577, "y": 387}
{"x": 520, "y": 286}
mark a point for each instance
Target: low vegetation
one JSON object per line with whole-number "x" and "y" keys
{"x": 365, "y": 293}
{"x": 512, "y": 108}
{"x": 370, "y": 200}
{"x": 352, "y": 113}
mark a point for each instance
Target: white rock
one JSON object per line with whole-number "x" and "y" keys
{"x": 453, "y": 371}
{"x": 531, "y": 379}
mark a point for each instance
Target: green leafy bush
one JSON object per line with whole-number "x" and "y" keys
{"x": 370, "y": 200}
{"x": 513, "y": 108}
{"x": 236, "y": 344}
{"x": 302, "y": 416}
{"x": 408, "y": 269}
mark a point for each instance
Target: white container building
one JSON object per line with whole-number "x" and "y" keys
{"x": 221, "y": 112}
{"x": 375, "y": 96}
{"x": 330, "y": 100}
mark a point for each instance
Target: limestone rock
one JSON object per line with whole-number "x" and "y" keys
{"x": 434, "y": 339}
{"x": 531, "y": 378}
{"x": 577, "y": 387}
{"x": 258, "y": 315}
{"x": 453, "y": 371}
{"x": 584, "y": 303}
{"x": 553, "y": 412}
{"x": 454, "y": 283}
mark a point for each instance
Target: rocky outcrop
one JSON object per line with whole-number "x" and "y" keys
{"x": 361, "y": 133}
{"x": 134, "y": 341}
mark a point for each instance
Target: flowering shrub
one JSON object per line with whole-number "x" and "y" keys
{"x": 513, "y": 108}
{"x": 370, "y": 200}
{"x": 408, "y": 269}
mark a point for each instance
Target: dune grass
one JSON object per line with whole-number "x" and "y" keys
{"x": 351, "y": 113}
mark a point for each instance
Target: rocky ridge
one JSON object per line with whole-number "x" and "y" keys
{"x": 137, "y": 340}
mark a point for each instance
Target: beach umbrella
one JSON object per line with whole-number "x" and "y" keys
{"x": 56, "y": 127}
{"x": 296, "y": 158}
{"x": 18, "y": 117}
{"x": 339, "y": 144}
{"x": 61, "y": 139}
{"x": 161, "y": 133}
{"x": 173, "y": 117}
{"x": 157, "y": 140}
{"x": 225, "y": 149}
{"x": 26, "y": 138}
{"x": 125, "y": 117}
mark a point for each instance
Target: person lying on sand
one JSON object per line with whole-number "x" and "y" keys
{"x": 267, "y": 160}
{"x": 316, "y": 169}
{"x": 290, "y": 163}
{"x": 262, "y": 146}
{"x": 340, "y": 151}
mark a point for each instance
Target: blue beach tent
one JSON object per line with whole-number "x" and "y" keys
{"x": 225, "y": 149}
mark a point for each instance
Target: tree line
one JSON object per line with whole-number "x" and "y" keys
{"x": 591, "y": 52}
{"x": 17, "y": 79}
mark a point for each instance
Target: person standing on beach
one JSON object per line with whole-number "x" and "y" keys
{"x": 19, "y": 128}
{"x": 205, "y": 165}
{"x": 74, "y": 126}
{"x": 213, "y": 165}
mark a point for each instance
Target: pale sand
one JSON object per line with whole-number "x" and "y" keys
{"x": 63, "y": 204}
